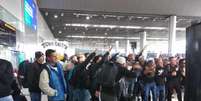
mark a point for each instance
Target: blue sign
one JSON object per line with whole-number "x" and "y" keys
{"x": 30, "y": 11}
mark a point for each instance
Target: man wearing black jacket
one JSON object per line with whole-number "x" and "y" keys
{"x": 109, "y": 92}
{"x": 161, "y": 74}
{"x": 81, "y": 79}
{"x": 6, "y": 79}
{"x": 94, "y": 70}
{"x": 173, "y": 80}
{"x": 33, "y": 76}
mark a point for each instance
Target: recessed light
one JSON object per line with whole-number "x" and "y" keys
{"x": 87, "y": 18}
{"x": 60, "y": 32}
{"x": 65, "y": 28}
{"x": 55, "y": 16}
{"x": 62, "y": 14}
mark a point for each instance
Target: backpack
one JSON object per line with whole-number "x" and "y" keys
{"x": 22, "y": 73}
{"x": 107, "y": 75}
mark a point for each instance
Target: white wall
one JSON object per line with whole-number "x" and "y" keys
{"x": 43, "y": 30}
{"x": 14, "y": 7}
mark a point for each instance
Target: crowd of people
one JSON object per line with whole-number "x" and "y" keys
{"x": 92, "y": 77}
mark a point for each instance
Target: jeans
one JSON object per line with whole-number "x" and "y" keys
{"x": 150, "y": 87}
{"x": 6, "y": 98}
{"x": 161, "y": 92}
{"x": 35, "y": 96}
{"x": 81, "y": 95}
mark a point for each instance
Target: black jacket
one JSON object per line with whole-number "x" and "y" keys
{"x": 80, "y": 79}
{"x": 161, "y": 75}
{"x": 173, "y": 80}
{"x": 6, "y": 77}
{"x": 33, "y": 77}
{"x": 122, "y": 72}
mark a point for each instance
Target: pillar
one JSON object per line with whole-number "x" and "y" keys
{"x": 128, "y": 46}
{"x": 116, "y": 46}
{"x": 143, "y": 39}
{"x": 172, "y": 34}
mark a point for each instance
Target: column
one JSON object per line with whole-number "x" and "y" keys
{"x": 116, "y": 46}
{"x": 128, "y": 46}
{"x": 172, "y": 34}
{"x": 143, "y": 39}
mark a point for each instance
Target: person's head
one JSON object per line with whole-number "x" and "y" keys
{"x": 97, "y": 59}
{"x": 69, "y": 66}
{"x": 65, "y": 58}
{"x": 150, "y": 64}
{"x": 159, "y": 62}
{"x": 74, "y": 59}
{"x": 130, "y": 57}
{"x": 173, "y": 61}
{"x": 51, "y": 56}
{"x": 165, "y": 62}
{"x": 141, "y": 60}
{"x": 81, "y": 58}
{"x": 182, "y": 63}
{"x": 121, "y": 60}
{"x": 39, "y": 56}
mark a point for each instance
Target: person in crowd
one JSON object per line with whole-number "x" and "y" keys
{"x": 173, "y": 80}
{"x": 161, "y": 74}
{"x": 16, "y": 92}
{"x": 52, "y": 80}
{"x": 142, "y": 61}
{"x": 149, "y": 81}
{"x": 128, "y": 86}
{"x": 6, "y": 79}
{"x": 22, "y": 73}
{"x": 81, "y": 80}
{"x": 68, "y": 72}
{"x": 166, "y": 63}
{"x": 33, "y": 76}
{"x": 94, "y": 70}
{"x": 137, "y": 68}
{"x": 182, "y": 73}
{"x": 130, "y": 59}
{"x": 109, "y": 76}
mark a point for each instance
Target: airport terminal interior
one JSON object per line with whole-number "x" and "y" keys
{"x": 58, "y": 50}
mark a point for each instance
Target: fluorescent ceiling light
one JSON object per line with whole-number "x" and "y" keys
{"x": 102, "y": 37}
{"x": 118, "y": 26}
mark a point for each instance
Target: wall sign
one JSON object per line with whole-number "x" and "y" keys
{"x": 61, "y": 44}
{"x": 30, "y": 11}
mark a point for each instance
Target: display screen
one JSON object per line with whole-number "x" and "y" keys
{"x": 30, "y": 11}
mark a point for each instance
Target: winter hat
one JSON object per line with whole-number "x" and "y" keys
{"x": 121, "y": 60}
{"x": 38, "y": 54}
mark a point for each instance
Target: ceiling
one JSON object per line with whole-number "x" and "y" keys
{"x": 162, "y": 7}
{"x": 75, "y": 23}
